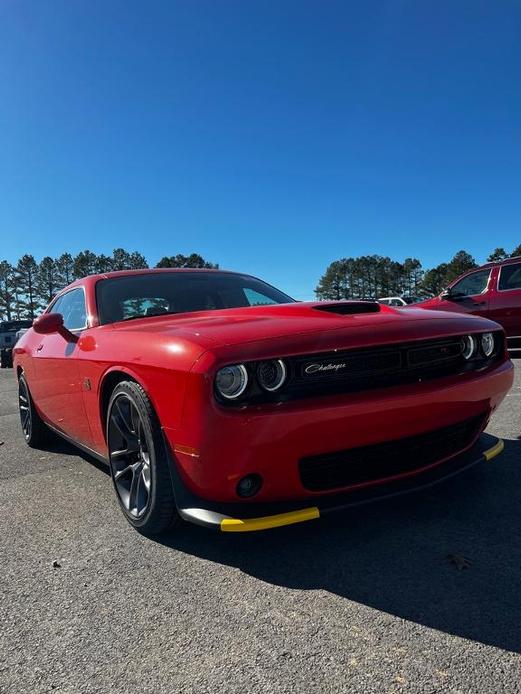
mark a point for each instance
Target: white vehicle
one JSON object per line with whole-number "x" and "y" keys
{"x": 399, "y": 300}
{"x": 10, "y": 332}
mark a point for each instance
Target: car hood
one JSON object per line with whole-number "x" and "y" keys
{"x": 309, "y": 326}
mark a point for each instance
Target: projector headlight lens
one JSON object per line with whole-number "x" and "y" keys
{"x": 231, "y": 381}
{"x": 488, "y": 344}
{"x": 469, "y": 346}
{"x": 271, "y": 374}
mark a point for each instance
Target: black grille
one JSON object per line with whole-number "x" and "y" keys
{"x": 372, "y": 463}
{"x": 353, "y": 370}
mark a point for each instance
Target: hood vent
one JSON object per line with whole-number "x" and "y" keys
{"x": 349, "y": 308}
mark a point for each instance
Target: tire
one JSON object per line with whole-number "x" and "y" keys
{"x": 36, "y": 434}
{"x": 139, "y": 464}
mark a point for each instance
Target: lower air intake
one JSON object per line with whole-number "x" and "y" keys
{"x": 372, "y": 463}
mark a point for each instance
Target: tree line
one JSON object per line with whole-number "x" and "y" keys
{"x": 27, "y": 287}
{"x": 373, "y": 276}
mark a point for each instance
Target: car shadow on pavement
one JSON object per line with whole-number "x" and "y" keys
{"x": 55, "y": 444}
{"x": 448, "y": 558}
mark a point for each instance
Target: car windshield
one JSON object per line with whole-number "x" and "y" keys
{"x": 153, "y": 294}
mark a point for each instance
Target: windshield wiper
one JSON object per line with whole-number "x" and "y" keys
{"x": 150, "y": 315}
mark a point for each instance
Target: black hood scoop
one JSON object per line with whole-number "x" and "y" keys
{"x": 349, "y": 308}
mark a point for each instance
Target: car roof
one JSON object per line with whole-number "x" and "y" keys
{"x": 507, "y": 261}
{"x": 92, "y": 279}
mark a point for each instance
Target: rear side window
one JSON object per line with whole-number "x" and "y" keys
{"x": 510, "y": 277}
{"x": 471, "y": 284}
{"x": 72, "y": 307}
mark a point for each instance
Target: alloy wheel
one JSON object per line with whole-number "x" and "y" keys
{"x": 24, "y": 406}
{"x": 129, "y": 455}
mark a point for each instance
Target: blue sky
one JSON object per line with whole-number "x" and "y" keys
{"x": 271, "y": 137}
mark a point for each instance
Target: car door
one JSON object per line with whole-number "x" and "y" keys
{"x": 505, "y": 305}
{"x": 56, "y": 385}
{"x": 470, "y": 294}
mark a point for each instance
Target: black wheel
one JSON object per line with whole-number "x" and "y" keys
{"x": 34, "y": 430}
{"x": 138, "y": 460}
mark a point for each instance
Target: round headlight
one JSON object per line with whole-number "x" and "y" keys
{"x": 231, "y": 381}
{"x": 468, "y": 346}
{"x": 271, "y": 374}
{"x": 487, "y": 344}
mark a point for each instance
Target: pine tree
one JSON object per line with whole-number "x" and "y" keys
{"x": 26, "y": 279}
{"x": 85, "y": 263}
{"x": 498, "y": 254}
{"x": 103, "y": 264}
{"x": 65, "y": 269}
{"x": 137, "y": 261}
{"x": 47, "y": 280}
{"x": 7, "y": 298}
{"x": 120, "y": 259}
{"x": 194, "y": 260}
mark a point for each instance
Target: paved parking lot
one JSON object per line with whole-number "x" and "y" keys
{"x": 366, "y": 601}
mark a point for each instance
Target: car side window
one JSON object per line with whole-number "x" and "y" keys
{"x": 256, "y": 298}
{"x": 510, "y": 277}
{"x": 72, "y": 307}
{"x": 473, "y": 284}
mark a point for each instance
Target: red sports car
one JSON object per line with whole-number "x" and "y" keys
{"x": 217, "y": 399}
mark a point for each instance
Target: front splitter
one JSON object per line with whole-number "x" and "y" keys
{"x": 248, "y": 517}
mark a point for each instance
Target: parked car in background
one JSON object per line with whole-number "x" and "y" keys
{"x": 400, "y": 300}
{"x": 10, "y": 332}
{"x": 492, "y": 291}
{"x": 217, "y": 399}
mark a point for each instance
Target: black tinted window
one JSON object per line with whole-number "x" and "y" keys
{"x": 151, "y": 294}
{"x": 510, "y": 277}
{"x": 471, "y": 284}
{"x": 72, "y": 307}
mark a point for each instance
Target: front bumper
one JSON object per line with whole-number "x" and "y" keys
{"x": 233, "y": 517}
{"x": 215, "y": 447}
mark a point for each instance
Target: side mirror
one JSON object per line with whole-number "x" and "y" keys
{"x": 48, "y": 323}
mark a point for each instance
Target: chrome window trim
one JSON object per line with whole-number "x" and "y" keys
{"x": 60, "y": 296}
{"x": 514, "y": 289}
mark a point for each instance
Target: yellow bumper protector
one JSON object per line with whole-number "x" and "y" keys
{"x": 236, "y": 525}
{"x": 495, "y": 450}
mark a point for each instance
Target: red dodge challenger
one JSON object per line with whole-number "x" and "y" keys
{"x": 217, "y": 399}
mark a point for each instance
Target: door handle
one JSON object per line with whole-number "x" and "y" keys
{"x": 479, "y": 303}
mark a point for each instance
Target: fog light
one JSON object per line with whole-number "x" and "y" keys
{"x": 249, "y": 485}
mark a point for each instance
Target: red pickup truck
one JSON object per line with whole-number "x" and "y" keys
{"x": 492, "y": 291}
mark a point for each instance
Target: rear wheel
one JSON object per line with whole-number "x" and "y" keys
{"x": 34, "y": 430}
{"x": 138, "y": 460}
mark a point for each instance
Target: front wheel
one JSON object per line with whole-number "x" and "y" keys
{"x": 138, "y": 460}
{"x": 35, "y": 432}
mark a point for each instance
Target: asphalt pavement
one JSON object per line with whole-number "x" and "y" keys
{"x": 421, "y": 594}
